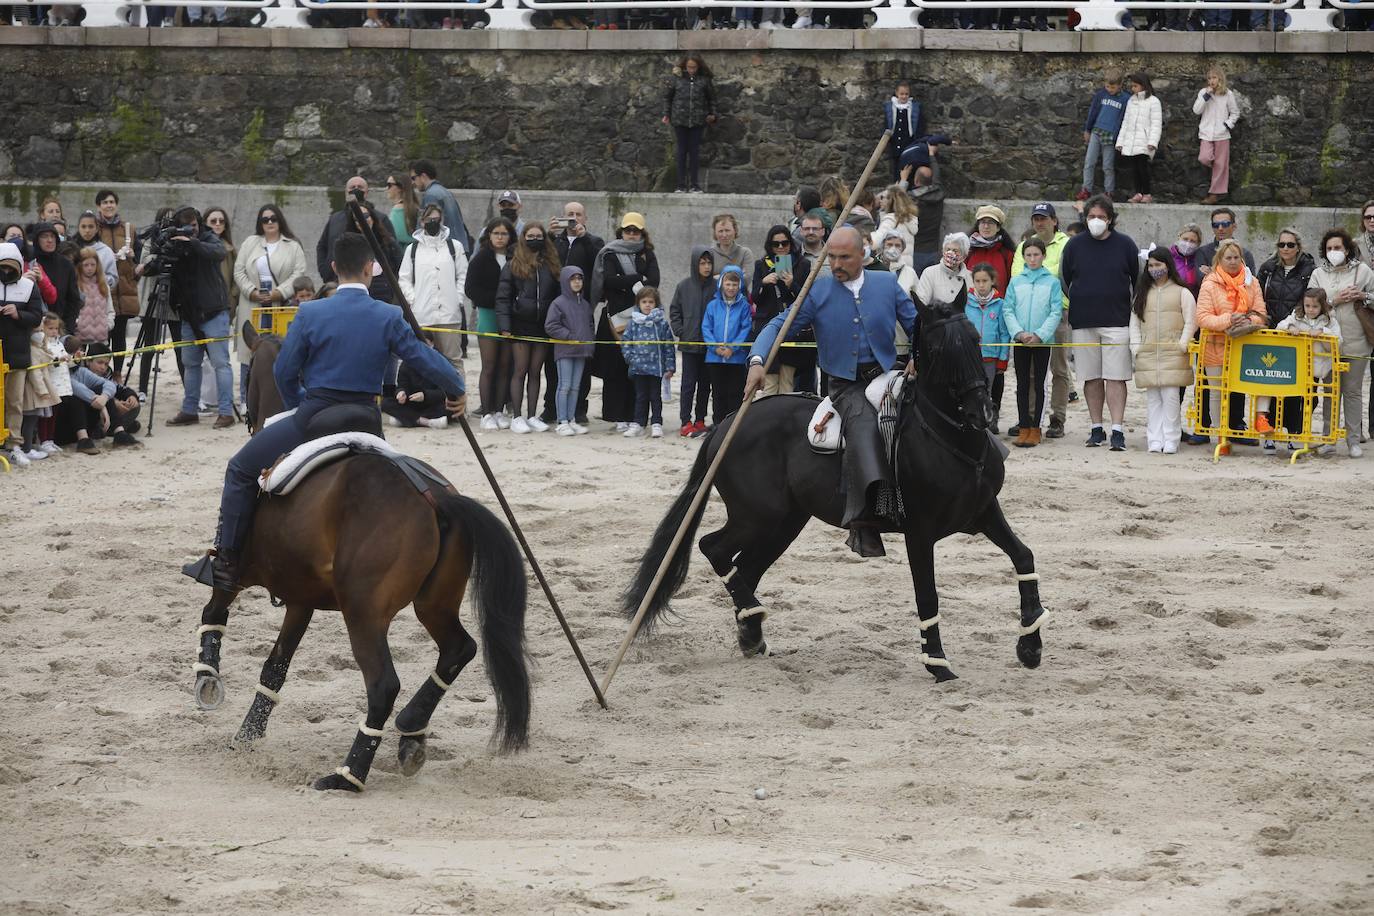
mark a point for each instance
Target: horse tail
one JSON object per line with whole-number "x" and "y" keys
{"x": 498, "y": 593}
{"x": 658, "y": 549}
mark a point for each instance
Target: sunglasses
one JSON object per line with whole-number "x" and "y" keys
{"x": 393, "y": 184}
{"x": 269, "y": 218}
{"x": 781, "y": 243}
{"x": 1288, "y": 244}
{"x": 215, "y": 221}
{"x": 1369, "y": 216}
{"x": 1223, "y": 224}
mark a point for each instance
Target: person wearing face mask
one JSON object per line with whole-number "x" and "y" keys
{"x": 425, "y": 177}
{"x": 1099, "y": 271}
{"x": 1184, "y": 252}
{"x": 509, "y": 206}
{"x": 57, "y": 269}
{"x": 433, "y": 272}
{"x": 941, "y": 282}
{"x": 529, "y": 284}
{"x": 1349, "y": 286}
{"x": 892, "y": 249}
{"x": 21, "y": 311}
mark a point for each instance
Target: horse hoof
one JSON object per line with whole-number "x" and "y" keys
{"x": 209, "y": 692}
{"x": 335, "y": 782}
{"x": 942, "y": 673}
{"x": 754, "y": 649}
{"x": 411, "y": 755}
{"x": 247, "y": 735}
{"x": 1028, "y": 651}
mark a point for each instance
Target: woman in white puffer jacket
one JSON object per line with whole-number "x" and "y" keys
{"x": 1138, "y": 138}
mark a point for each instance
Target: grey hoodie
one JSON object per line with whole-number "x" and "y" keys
{"x": 570, "y": 318}
{"x": 689, "y": 303}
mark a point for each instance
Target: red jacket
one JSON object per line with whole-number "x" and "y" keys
{"x": 45, "y": 288}
{"x": 999, "y": 256}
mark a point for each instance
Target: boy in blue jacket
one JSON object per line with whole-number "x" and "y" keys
{"x": 727, "y": 324}
{"x": 650, "y": 363}
{"x": 1099, "y": 132}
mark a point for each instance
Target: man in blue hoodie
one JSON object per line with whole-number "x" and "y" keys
{"x": 855, "y": 313}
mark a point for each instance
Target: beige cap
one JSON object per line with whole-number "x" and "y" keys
{"x": 632, "y": 219}
{"x": 988, "y": 211}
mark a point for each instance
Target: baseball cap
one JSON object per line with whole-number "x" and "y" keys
{"x": 632, "y": 219}
{"x": 1043, "y": 209}
{"x": 511, "y": 196}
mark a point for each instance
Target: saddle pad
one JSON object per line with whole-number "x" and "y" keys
{"x": 831, "y": 438}
{"x": 296, "y": 465}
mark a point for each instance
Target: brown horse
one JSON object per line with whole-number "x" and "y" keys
{"x": 262, "y": 400}
{"x": 357, "y": 537}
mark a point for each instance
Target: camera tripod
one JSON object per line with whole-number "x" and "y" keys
{"x": 151, "y": 329}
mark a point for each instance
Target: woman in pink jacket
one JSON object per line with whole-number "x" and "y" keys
{"x": 1232, "y": 304}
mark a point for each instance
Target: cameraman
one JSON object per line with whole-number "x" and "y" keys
{"x": 200, "y": 299}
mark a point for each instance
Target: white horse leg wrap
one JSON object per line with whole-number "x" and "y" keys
{"x": 758, "y": 611}
{"x": 370, "y": 732}
{"x": 415, "y": 734}
{"x": 219, "y": 628}
{"x": 933, "y": 662}
{"x": 730, "y": 575}
{"x": 348, "y": 774}
{"x": 202, "y": 668}
{"x": 1035, "y": 627}
{"x": 268, "y": 692}
{"x": 927, "y": 624}
{"x": 1028, "y": 577}
{"x": 438, "y": 682}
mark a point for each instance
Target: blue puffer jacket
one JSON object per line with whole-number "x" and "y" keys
{"x": 728, "y": 322}
{"x": 992, "y": 327}
{"x": 1033, "y": 303}
{"x": 644, "y": 358}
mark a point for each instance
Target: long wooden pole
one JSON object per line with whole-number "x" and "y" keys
{"x": 481, "y": 459}
{"x": 705, "y": 487}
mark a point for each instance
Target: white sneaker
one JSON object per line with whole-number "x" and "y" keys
{"x": 1355, "y": 451}
{"x": 19, "y": 458}
{"x": 621, "y": 426}
{"x": 489, "y": 421}
{"x": 769, "y": 24}
{"x": 49, "y": 446}
{"x": 803, "y": 22}
{"x": 538, "y": 425}
{"x": 634, "y": 430}
{"x": 656, "y": 431}
{"x": 579, "y": 429}
{"x": 565, "y": 429}
{"x": 437, "y": 423}
{"x": 393, "y": 421}
{"x": 520, "y": 425}
{"x": 503, "y": 420}
{"x": 37, "y": 454}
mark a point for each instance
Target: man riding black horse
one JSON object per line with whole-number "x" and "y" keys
{"x": 335, "y": 354}
{"x": 855, "y": 313}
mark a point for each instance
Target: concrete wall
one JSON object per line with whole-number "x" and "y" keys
{"x": 676, "y": 221}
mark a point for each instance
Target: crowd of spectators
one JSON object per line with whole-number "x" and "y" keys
{"x": 738, "y": 17}
{"x": 554, "y": 305}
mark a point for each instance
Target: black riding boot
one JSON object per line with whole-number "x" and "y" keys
{"x": 217, "y": 570}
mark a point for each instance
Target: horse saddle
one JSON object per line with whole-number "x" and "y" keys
{"x": 299, "y": 463}
{"x": 338, "y": 418}
{"x": 824, "y": 431}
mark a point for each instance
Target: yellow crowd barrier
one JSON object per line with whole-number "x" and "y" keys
{"x": 1269, "y": 364}
{"x": 4, "y": 432}
{"x": 274, "y": 319}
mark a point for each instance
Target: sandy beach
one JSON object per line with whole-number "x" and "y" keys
{"x": 1198, "y": 739}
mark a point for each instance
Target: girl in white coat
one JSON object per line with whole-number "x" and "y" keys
{"x": 432, "y": 274}
{"x": 1138, "y": 138}
{"x": 1218, "y": 112}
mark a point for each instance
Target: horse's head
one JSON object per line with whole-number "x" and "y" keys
{"x": 255, "y": 338}
{"x": 951, "y": 363}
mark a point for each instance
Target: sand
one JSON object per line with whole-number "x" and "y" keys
{"x": 1197, "y": 740}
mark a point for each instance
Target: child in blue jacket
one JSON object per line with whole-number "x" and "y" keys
{"x": 1034, "y": 307}
{"x": 985, "y": 309}
{"x": 1099, "y": 132}
{"x": 650, "y": 363}
{"x": 726, "y": 324}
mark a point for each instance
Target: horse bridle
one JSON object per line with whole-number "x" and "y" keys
{"x": 973, "y": 380}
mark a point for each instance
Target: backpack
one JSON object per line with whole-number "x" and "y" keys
{"x": 452, "y": 253}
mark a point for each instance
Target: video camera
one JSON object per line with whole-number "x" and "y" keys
{"x": 161, "y": 238}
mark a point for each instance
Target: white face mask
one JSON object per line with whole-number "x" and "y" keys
{"x": 892, "y": 254}
{"x": 1185, "y": 247}
{"x": 1098, "y": 227}
{"x": 1337, "y": 257}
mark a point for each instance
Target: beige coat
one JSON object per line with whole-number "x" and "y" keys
{"x": 1335, "y": 279}
{"x": 286, "y": 263}
{"x": 1160, "y": 338}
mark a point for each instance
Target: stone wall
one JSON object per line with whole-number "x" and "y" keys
{"x": 504, "y": 115}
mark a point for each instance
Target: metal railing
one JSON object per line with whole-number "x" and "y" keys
{"x": 1094, "y": 15}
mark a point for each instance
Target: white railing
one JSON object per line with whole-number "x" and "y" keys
{"x": 1095, "y": 15}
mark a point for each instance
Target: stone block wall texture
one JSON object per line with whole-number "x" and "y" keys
{"x": 590, "y": 120}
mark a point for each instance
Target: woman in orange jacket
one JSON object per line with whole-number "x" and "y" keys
{"x": 1232, "y": 303}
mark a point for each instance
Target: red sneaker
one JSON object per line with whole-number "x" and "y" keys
{"x": 686, "y": 430}
{"x": 1083, "y": 194}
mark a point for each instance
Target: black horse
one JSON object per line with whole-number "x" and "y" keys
{"x": 949, "y": 471}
